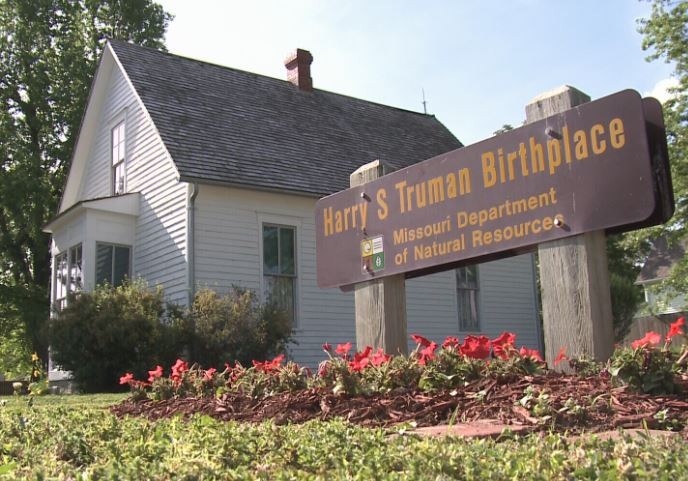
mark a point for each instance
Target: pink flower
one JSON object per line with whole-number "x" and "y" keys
{"x": 343, "y": 349}
{"x": 560, "y": 357}
{"x": 534, "y": 354}
{"x": 327, "y": 347}
{"x": 476, "y": 347}
{"x": 675, "y": 328}
{"x": 651, "y": 339}
{"x": 420, "y": 340}
{"x": 503, "y": 346}
{"x": 128, "y": 378}
{"x": 208, "y": 374}
{"x": 450, "y": 342}
{"x": 427, "y": 354}
{"x": 155, "y": 373}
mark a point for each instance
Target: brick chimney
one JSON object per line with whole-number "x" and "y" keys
{"x": 299, "y": 69}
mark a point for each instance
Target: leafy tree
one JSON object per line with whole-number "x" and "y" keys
{"x": 503, "y": 129}
{"x": 665, "y": 36}
{"x": 48, "y": 55}
{"x": 626, "y": 296}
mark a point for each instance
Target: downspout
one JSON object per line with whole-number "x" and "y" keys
{"x": 190, "y": 248}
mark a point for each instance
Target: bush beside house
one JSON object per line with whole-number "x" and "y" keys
{"x": 107, "y": 331}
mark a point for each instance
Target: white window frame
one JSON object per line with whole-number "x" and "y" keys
{"x": 279, "y": 220}
{"x": 473, "y": 324}
{"x": 113, "y": 245}
{"x": 118, "y": 156}
{"x": 61, "y": 295}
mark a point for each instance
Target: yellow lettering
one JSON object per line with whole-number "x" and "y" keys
{"x": 436, "y": 190}
{"x": 338, "y": 227}
{"x": 598, "y": 146}
{"x": 400, "y": 186}
{"x": 581, "y": 141}
{"x": 616, "y": 133}
{"x": 382, "y": 211}
{"x": 489, "y": 172}
{"x": 328, "y": 221}
{"x": 553, "y": 155}
{"x": 451, "y": 185}
{"x": 537, "y": 156}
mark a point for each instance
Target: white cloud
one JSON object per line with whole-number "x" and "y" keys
{"x": 661, "y": 89}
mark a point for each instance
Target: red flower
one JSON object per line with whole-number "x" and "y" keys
{"x": 208, "y": 374}
{"x": 420, "y": 340}
{"x": 179, "y": 368}
{"x": 361, "y": 359}
{"x": 427, "y": 354}
{"x": 503, "y": 346}
{"x": 327, "y": 347}
{"x": 343, "y": 349}
{"x": 560, "y": 357}
{"x": 651, "y": 339}
{"x": 450, "y": 342}
{"x": 128, "y": 378}
{"x": 675, "y": 328}
{"x": 476, "y": 347}
{"x": 155, "y": 373}
{"x": 269, "y": 366}
{"x": 534, "y": 354}
{"x": 380, "y": 358}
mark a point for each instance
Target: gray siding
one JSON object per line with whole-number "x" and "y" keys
{"x": 507, "y": 299}
{"x": 160, "y": 248}
{"x": 227, "y": 237}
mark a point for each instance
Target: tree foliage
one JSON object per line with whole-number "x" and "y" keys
{"x": 665, "y": 37}
{"x": 48, "y": 55}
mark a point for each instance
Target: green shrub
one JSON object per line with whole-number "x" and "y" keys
{"x": 236, "y": 327}
{"x": 102, "y": 333}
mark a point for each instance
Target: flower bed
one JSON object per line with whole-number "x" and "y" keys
{"x": 477, "y": 378}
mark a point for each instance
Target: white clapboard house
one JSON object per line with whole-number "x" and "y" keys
{"x": 191, "y": 174}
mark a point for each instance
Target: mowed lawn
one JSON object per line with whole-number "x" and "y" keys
{"x": 76, "y": 438}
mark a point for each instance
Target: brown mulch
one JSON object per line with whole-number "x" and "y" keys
{"x": 604, "y": 407}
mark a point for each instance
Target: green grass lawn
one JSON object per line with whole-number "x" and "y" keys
{"x": 75, "y": 437}
{"x": 67, "y": 400}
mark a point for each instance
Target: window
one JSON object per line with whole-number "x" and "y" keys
{"x": 113, "y": 264}
{"x": 68, "y": 277}
{"x": 75, "y": 277}
{"x": 61, "y": 281}
{"x": 118, "y": 164}
{"x": 279, "y": 267}
{"x": 467, "y": 298}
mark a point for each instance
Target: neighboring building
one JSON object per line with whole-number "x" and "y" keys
{"x": 661, "y": 260}
{"x": 190, "y": 174}
{"x": 660, "y": 308}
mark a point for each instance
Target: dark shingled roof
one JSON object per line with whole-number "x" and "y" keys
{"x": 662, "y": 259}
{"x": 223, "y": 125}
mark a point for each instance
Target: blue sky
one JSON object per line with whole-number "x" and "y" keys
{"x": 479, "y": 62}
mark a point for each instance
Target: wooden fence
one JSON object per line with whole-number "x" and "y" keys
{"x": 659, "y": 324}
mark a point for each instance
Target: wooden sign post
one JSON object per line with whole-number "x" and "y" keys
{"x": 576, "y": 301}
{"x": 381, "y": 303}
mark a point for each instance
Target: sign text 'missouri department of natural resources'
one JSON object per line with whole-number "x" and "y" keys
{"x": 583, "y": 170}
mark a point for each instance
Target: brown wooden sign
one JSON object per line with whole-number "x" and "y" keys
{"x": 590, "y": 168}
